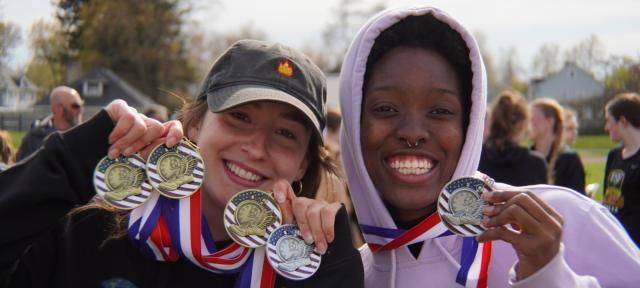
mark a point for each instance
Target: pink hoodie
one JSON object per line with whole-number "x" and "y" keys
{"x": 596, "y": 251}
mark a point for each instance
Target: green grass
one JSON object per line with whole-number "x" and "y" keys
{"x": 596, "y": 142}
{"x": 16, "y": 138}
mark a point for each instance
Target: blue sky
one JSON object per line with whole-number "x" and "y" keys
{"x": 524, "y": 24}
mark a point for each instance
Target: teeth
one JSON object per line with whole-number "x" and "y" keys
{"x": 414, "y": 166}
{"x": 242, "y": 173}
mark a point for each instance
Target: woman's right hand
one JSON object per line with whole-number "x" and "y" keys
{"x": 135, "y": 132}
{"x": 315, "y": 218}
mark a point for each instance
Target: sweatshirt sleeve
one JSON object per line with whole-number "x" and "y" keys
{"x": 596, "y": 252}
{"x": 35, "y": 193}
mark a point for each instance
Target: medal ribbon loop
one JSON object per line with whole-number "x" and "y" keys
{"x": 167, "y": 229}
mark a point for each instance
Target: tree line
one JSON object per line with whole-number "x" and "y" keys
{"x": 155, "y": 46}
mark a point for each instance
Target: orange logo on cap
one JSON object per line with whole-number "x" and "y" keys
{"x": 284, "y": 68}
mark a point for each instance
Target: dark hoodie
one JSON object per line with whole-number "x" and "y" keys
{"x": 513, "y": 165}
{"x": 35, "y": 137}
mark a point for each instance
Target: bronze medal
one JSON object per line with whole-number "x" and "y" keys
{"x": 460, "y": 206}
{"x": 176, "y": 172}
{"x": 289, "y": 255}
{"x": 121, "y": 182}
{"x": 250, "y": 216}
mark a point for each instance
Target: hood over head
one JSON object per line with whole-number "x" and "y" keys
{"x": 367, "y": 200}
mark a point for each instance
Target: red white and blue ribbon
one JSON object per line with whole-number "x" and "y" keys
{"x": 474, "y": 259}
{"x": 166, "y": 229}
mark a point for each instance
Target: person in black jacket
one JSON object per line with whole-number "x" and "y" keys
{"x": 502, "y": 157}
{"x": 547, "y": 128}
{"x": 66, "y": 112}
{"x": 252, "y": 133}
{"x": 622, "y": 172}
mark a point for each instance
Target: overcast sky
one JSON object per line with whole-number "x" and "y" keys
{"x": 524, "y": 24}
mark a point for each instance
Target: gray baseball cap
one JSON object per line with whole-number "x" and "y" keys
{"x": 253, "y": 70}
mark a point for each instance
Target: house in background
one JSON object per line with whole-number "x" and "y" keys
{"x": 16, "y": 91}
{"x": 99, "y": 87}
{"x": 574, "y": 87}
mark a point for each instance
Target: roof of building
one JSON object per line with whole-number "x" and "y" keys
{"x": 111, "y": 87}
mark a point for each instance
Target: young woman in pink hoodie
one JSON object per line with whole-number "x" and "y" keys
{"x": 413, "y": 98}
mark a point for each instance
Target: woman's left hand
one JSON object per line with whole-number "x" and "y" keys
{"x": 315, "y": 218}
{"x": 537, "y": 228}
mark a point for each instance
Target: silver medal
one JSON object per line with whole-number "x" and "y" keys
{"x": 460, "y": 206}
{"x": 290, "y": 256}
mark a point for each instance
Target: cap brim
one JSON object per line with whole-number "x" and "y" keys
{"x": 232, "y": 96}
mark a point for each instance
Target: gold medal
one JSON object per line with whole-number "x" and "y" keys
{"x": 250, "y": 216}
{"x": 460, "y": 206}
{"x": 121, "y": 182}
{"x": 176, "y": 172}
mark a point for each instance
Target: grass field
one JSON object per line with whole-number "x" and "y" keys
{"x": 16, "y": 138}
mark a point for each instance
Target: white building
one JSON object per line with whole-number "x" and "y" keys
{"x": 16, "y": 91}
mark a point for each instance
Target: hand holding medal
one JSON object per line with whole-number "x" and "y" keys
{"x": 254, "y": 219}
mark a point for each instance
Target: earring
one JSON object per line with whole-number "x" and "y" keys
{"x": 299, "y": 187}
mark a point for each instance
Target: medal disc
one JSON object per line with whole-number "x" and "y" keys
{"x": 176, "y": 172}
{"x": 122, "y": 182}
{"x": 289, "y": 255}
{"x": 250, "y": 216}
{"x": 460, "y": 206}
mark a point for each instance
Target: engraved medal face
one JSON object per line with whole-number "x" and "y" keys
{"x": 460, "y": 206}
{"x": 122, "y": 182}
{"x": 176, "y": 172}
{"x": 289, "y": 255}
{"x": 250, "y": 216}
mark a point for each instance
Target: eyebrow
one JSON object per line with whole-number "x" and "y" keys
{"x": 296, "y": 116}
{"x": 384, "y": 87}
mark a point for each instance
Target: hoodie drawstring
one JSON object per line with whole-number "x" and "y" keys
{"x": 393, "y": 269}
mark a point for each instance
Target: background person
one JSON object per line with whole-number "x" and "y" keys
{"x": 66, "y": 112}
{"x": 622, "y": 172}
{"x": 571, "y": 126}
{"x": 502, "y": 156}
{"x": 413, "y": 101}
{"x": 564, "y": 167}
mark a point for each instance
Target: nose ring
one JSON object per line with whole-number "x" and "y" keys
{"x": 413, "y": 145}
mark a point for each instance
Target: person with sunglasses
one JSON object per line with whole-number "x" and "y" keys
{"x": 66, "y": 112}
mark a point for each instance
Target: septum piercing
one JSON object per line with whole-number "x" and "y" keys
{"x": 414, "y": 145}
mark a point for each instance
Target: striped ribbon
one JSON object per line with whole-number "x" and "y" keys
{"x": 475, "y": 256}
{"x": 166, "y": 229}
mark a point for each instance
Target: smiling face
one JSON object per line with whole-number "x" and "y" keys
{"x": 412, "y": 96}
{"x": 251, "y": 146}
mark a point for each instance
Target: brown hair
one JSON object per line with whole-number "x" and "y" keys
{"x": 552, "y": 110}
{"x": 334, "y": 118}
{"x": 508, "y": 111}
{"x": 625, "y": 105}
{"x": 7, "y": 152}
